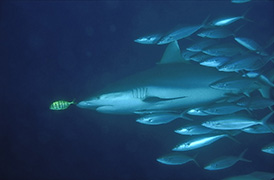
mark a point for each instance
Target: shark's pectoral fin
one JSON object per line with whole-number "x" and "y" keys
{"x": 172, "y": 54}
{"x": 153, "y": 99}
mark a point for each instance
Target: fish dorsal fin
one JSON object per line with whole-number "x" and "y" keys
{"x": 172, "y": 54}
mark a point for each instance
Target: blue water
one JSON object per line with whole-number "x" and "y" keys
{"x": 66, "y": 50}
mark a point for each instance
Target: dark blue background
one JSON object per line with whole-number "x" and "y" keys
{"x": 66, "y": 50}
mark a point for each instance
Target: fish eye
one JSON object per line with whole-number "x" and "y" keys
{"x": 149, "y": 119}
{"x": 222, "y": 84}
{"x": 217, "y": 124}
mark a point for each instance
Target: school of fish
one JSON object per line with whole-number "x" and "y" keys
{"x": 217, "y": 46}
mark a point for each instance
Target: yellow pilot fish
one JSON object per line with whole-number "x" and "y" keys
{"x": 60, "y": 105}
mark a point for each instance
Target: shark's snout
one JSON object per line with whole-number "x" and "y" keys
{"x": 87, "y": 104}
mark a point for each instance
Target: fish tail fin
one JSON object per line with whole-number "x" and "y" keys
{"x": 194, "y": 160}
{"x": 267, "y": 80}
{"x": 249, "y": 20}
{"x": 204, "y": 23}
{"x": 237, "y": 29}
{"x": 246, "y": 160}
{"x": 265, "y": 119}
{"x": 266, "y": 76}
{"x": 183, "y": 116}
{"x": 241, "y": 157}
{"x": 265, "y": 91}
{"x": 233, "y": 139}
{"x": 244, "y": 16}
{"x": 269, "y": 43}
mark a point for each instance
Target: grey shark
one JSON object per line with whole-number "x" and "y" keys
{"x": 172, "y": 85}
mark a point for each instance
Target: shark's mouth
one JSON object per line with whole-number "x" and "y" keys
{"x": 105, "y": 108}
{"x": 87, "y": 104}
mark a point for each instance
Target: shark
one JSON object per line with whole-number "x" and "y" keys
{"x": 173, "y": 84}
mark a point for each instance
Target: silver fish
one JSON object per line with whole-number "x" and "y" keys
{"x": 244, "y": 62}
{"x": 240, "y": 1}
{"x": 200, "y": 45}
{"x": 265, "y": 80}
{"x": 235, "y": 122}
{"x": 158, "y": 118}
{"x": 251, "y": 45}
{"x": 255, "y": 102}
{"x": 196, "y": 112}
{"x": 234, "y": 98}
{"x": 200, "y": 57}
{"x": 236, "y": 85}
{"x": 227, "y": 49}
{"x": 199, "y": 142}
{"x": 216, "y": 33}
{"x": 222, "y": 108}
{"x": 193, "y": 130}
{"x": 150, "y": 39}
{"x": 215, "y": 61}
{"x": 225, "y": 162}
{"x": 187, "y": 54}
{"x": 180, "y": 33}
{"x": 176, "y": 159}
{"x": 258, "y": 129}
{"x": 262, "y": 78}
{"x": 226, "y": 21}
{"x": 269, "y": 148}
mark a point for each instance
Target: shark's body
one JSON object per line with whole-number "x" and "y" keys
{"x": 172, "y": 85}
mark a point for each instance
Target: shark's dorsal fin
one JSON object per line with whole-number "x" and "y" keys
{"x": 172, "y": 54}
